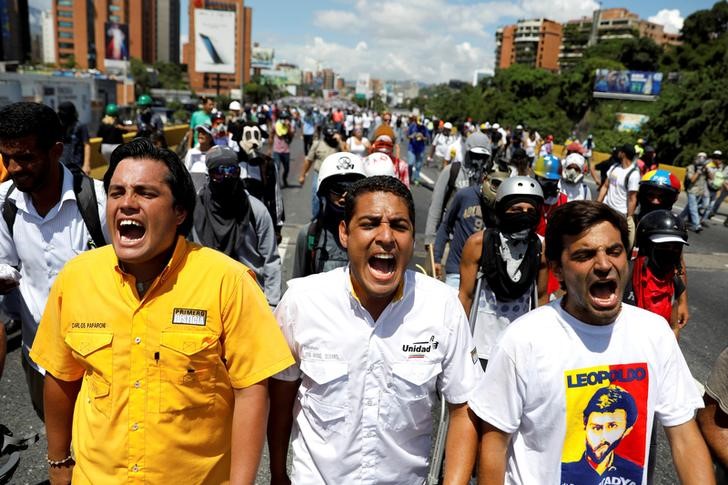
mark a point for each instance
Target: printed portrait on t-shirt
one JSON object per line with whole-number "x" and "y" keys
{"x": 606, "y": 425}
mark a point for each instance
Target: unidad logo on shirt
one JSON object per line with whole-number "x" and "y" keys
{"x": 417, "y": 350}
{"x": 189, "y": 316}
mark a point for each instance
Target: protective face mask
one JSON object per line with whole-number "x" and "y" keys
{"x": 520, "y": 235}
{"x": 515, "y": 224}
{"x": 550, "y": 188}
{"x": 573, "y": 175}
{"x": 251, "y": 140}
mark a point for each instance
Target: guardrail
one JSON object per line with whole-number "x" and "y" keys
{"x": 174, "y": 135}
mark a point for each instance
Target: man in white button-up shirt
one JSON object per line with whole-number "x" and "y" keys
{"x": 48, "y": 228}
{"x": 373, "y": 343}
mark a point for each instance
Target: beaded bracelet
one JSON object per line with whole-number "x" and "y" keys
{"x": 59, "y": 462}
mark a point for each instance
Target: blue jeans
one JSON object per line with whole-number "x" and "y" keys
{"x": 453, "y": 280}
{"x": 415, "y": 160}
{"x": 691, "y": 210}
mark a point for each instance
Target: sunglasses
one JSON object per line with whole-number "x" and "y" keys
{"x": 224, "y": 172}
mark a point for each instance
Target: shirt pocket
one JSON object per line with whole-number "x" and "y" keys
{"x": 408, "y": 401}
{"x": 93, "y": 350}
{"x": 325, "y": 396}
{"x": 188, "y": 367}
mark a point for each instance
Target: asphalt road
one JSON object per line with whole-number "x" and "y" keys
{"x": 701, "y": 341}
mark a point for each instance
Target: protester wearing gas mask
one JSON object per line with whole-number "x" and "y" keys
{"x": 318, "y": 247}
{"x": 657, "y": 284}
{"x": 456, "y": 176}
{"x": 227, "y": 219}
{"x": 260, "y": 174}
{"x": 572, "y": 179}
{"x": 472, "y": 210}
{"x": 328, "y": 144}
{"x": 547, "y": 170}
{"x": 510, "y": 259}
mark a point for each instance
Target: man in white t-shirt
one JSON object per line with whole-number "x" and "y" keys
{"x": 440, "y": 145}
{"x": 572, "y": 388}
{"x": 619, "y": 190}
{"x": 373, "y": 343}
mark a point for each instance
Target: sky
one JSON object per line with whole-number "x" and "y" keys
{"x": 423, "y": 40}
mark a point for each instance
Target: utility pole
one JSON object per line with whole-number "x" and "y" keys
{"x": 596, "y": 18}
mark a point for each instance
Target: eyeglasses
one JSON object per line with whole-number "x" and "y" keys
{"x": 222, "y": 172}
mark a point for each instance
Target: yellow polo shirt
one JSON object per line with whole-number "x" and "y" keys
{"x": 156, "y": 401}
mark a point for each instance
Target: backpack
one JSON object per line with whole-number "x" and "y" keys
{"x": 454, "y": 171}
{"x": 83, "y": 187}
{"x": 718, "y": 179}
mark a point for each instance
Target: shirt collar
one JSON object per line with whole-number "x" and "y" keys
{"x": 181, "y": 248}
{"x": 24, "y": 202}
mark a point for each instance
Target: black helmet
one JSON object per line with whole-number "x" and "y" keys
{"x": 660, "y": 226}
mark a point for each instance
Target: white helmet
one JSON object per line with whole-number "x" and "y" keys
{"x": 234, "y": 106}
{"x": 378, "y": 163}
{"x": 341, "y": 165}
{"x": 573, "y": 175}
{"x": 575, "y": 159}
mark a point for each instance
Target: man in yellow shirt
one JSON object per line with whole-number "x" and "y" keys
{"x": 157, "y": 350}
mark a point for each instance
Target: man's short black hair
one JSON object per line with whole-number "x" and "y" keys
{"x": 379, "y": 183}
{"x": 573, "y": 218}
{"x": 608, "y": 400}
{"x": 205, "y": 99}
{"x": 179, "y": 180}
{"x": 19, "y": 120}
{"x": 628, "y": 150}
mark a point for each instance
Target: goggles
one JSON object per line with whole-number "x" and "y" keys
{"x": 224, "y": 172}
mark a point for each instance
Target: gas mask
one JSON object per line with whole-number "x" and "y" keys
{"x": 489, "y": 187}
{"x": 329, "y": 137}
{"x": 664, "y": 259}
{"x": 251, "y": 141}
{"x": 573, "y": 175}
{"x": 550, "y": 187}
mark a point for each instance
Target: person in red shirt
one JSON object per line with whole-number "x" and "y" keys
{"x": 547, "y": 170}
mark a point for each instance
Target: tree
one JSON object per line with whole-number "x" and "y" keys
{"x": 171, "y": 75}
{"x": 141, "y": 76}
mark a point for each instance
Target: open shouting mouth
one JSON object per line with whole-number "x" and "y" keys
{"x": 382, "y": 265}
{"x": 604, "y": 293}
{"x": 130, "y": 231}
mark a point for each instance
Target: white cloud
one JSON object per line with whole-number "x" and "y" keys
{"x": 427, "y": 40}
{"x": 670, "y": 18}
{"x": 335, "y": 20}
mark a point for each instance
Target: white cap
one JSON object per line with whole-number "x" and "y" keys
{"x": 447, "y": 126}
{"x": 234, "y": 106}
{"x": 717, "y": 153}
{"x": 657, "y": 239}
{"x": 378, "y": 164}
{"x": 496, "y": 126}
{"x": 519, "y": 127}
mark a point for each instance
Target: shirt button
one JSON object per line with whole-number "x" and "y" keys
{"x": 137, "y": 385}
{"x": 135, "y": 468}
{"x": 138, "y": 340}
{"x": 368, "y": 402}
{"x": 134, "y": 427}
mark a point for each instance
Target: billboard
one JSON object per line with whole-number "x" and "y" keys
{"x": 362, "y": 86}
{"x": 639, "y": 85}
{"x": 214, "y": 41}
{"x": 116, "y": 46}
{"x": 261, "y": 58}
{"x": 630, "y": 121}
